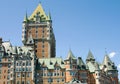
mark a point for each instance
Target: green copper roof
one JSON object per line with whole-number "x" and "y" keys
{"x": 90, "y": 55}
{"x": 49, "y": 16}
{"x": 97, "y": 67}
{"x": 25, "y": 18}
{"x": 91, "y": 67}
{"x": 81, "y": 64}
{"x": 106, "y": 60}
{"x": 70, "y": 55}
{"x": 51, "y": 62}
{"x": 108, "y": 63}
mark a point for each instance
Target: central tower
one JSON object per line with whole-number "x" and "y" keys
{"x": 37, "y": 32}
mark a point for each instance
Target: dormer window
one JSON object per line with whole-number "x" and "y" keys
{"x": 51, "y": 63}
{"x": 37, "y": 17}
{"x": 109, "y": 63}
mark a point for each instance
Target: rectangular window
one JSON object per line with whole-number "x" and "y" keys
{"x": 20, "y": 69}
{"x": 58, "y": 80}
{"x": 28, "y": 82}
{"x": 0, "y": 65}
{"x": 22, "y": 82}
{"x": 23, "y": 75}
{"x": 0, "y": 71}
{"x": 54, "y": 74}
{"x": 18, "y": 74}
{"x": 18, "y": 82}
{"x": 28, "y": 75}
{"x": 29, "y": 64}
{"x": 8, "y": 77}
{"x": 23, "y": 64}
{"x": 16, "y": 69}
{"x": 30, "y": 69}
{"x": 26, "y": 69}
{"x": 62, "y": 73}
{"x": 57, "y": 74}
{"x": 50, "y": 80}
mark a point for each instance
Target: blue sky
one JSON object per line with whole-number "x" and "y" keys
{"x": 79, "y": 25}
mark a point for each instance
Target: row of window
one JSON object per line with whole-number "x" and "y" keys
{"x": 5, "y": 65}
{"x": 23, "y": 75}
{"x": 5, "y": 71}
{"x": 51, "y": 74}
{"x": 23, "y": 69}
{"x": 8, "y": 77}
{"x": 24, "y": 64}
{"x": 45, "y": 68}
{"x": 50, "y": 80}
{"x": 23, "y": 82}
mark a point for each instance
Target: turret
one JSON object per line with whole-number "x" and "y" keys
{"x": 110, "y": 69}
{"x": 24, "y": 29}
{"x": 90, "y": 57}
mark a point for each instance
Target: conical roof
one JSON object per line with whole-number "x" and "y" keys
{"x": 108, "y": 63}
{"x": 90, "y": 55}
{"x": 106, "y": 60}
{"x": 70, "y": 55}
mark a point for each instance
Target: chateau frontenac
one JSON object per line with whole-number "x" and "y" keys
{"x": 36, "y": 62}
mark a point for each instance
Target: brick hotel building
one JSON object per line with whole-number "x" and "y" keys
{"x": 36, "y": 63}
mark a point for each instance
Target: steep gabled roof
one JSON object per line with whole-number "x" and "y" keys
{"x": 91, "y": 67}
{"x": 80, "y": 61}
{"x": 109, "y": 65}
{"x": 81, "y": 65}
{"x": 90, "y": 55}
{"x": 97, "y": 67}
{"x": 39, "y": 10}
{"x": 106, "y": 60}
{"x": 70, "y": 55}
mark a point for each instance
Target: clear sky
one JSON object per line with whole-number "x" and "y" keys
{"x": 79, "y": 25}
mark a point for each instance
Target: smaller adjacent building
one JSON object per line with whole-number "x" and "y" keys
{"x": 17, "y": 64}
{"x": 24, "y": 65}
{"x": 6, "y": 63}
{"x": 105, "y": 73}
{"x": 50, "y": 71}
{"x": 75, "y": 69}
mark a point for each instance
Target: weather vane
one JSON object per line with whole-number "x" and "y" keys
{"x": 105, "y": 50}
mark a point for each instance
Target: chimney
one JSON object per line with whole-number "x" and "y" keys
{"x": 0, "y": 40}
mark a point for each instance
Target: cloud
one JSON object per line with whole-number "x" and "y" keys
{"x": 112, "y": 54}
{"x": 119, "y": 66}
